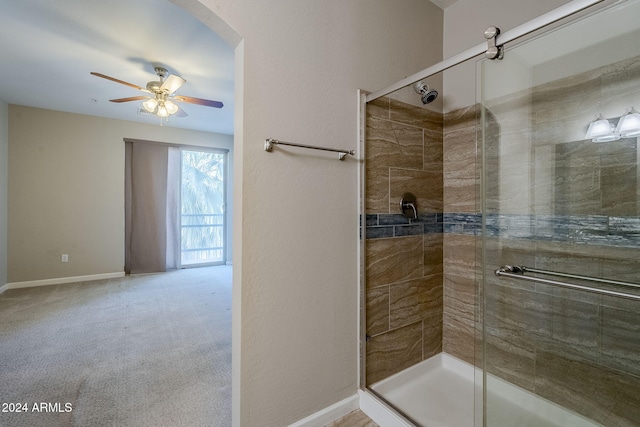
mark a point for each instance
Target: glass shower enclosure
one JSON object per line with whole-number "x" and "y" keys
{"x": 561, "y": 186}
{"x": 510, "y": 296}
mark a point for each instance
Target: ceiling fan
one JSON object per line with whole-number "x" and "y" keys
{"x": 160, "y": 100}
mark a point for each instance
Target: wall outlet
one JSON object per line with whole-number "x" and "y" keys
{"x": 65, "y": 258}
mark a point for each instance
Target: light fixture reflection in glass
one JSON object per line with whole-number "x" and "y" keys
{"x": 629, "y": 125}
{"x": 601, "y": 130}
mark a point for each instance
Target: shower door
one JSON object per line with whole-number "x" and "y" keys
{"x": 561, "y": 196}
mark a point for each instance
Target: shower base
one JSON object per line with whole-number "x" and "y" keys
{"x": 439, "y": 392}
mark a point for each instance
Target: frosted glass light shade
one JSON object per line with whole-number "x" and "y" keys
{"x": 162, "y": 110}
{"x": 171, "y": 107}
{"x": 601, "y": 130}
{"x": 150, "y": 105}
{"x": 629, "y": 125}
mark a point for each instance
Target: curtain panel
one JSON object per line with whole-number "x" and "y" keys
{"x": 151, "y": 206}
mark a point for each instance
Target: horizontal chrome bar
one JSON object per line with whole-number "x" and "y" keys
{"x": 579, "y": 277}
{"x": 516, "y": 272}
{"x": 522, "y": 30}
{"x": 269, "y": 143}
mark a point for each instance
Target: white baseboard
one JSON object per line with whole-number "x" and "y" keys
{"x": 330, "y": 414}
{"x": 61, "y": 280}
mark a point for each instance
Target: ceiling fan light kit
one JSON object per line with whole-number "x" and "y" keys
{"x": 162, "y": 94}
{"x": 160, "y": 106}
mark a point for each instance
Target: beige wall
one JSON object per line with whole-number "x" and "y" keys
{"x": 296, "y": 300}
{"x": 66, "y": 190}
{"x": 4, "y": 166}
{"x": 466, "y": 20}
{"x": 464, "y": 24}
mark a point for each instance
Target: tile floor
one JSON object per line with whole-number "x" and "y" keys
{"x": 356, "y": 418}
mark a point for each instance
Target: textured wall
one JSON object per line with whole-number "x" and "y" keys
{"x": 295, "y": 265}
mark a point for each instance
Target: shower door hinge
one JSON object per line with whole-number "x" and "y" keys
{"x": 493, "y": 50}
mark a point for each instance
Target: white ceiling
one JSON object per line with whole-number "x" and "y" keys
{"x": 49, "y": 47}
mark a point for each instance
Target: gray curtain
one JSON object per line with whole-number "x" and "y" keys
{"x": 151, "y": 210}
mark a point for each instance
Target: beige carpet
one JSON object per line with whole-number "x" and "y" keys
{"x": 152, "y": 350}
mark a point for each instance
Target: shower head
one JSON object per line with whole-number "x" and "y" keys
{"x": 428, "y": 95}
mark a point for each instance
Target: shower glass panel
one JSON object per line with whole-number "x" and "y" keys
{"x": 403, "y": 266}
{"x": 558, "y": 200}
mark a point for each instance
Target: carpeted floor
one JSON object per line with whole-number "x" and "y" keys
{"x": 149, "y": 350}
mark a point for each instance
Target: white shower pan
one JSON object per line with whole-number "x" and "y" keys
{"x": 439, "y": 392}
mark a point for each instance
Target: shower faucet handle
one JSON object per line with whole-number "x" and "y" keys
{"x": 408, "y": 206}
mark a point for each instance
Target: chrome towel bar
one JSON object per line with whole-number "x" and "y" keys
{"x": 577, "y": 276}
{"x": 517, "y": 272}
{"x": 269, "y": 143}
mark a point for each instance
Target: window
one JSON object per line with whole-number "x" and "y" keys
{"x": 203, "y": 207}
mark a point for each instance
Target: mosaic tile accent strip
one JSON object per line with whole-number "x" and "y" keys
{"x": 396, "y": 225}
{"x": 580, "y": 229}
{"x": 587, "y": 229}
{"x": 462, "y": 223}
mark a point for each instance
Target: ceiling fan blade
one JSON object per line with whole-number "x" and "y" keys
{"x": 198, "y": 101}
{"x": 119, "y": 81}
{"x": 180, "y": 112}
{"x": 132, "y": 98}
{"x": 172, "y": 83}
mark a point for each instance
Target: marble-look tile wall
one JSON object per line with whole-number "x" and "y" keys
{"x": 571, "y": 207}
{"x": 403, "y": 256}
{"x": 461, "y": 174}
